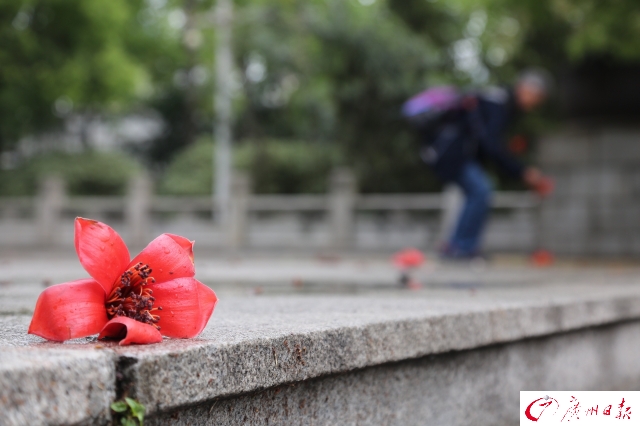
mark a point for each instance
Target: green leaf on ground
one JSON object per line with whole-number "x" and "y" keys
{"x": 137, "y": 409}
{"x": 119, "y": 407}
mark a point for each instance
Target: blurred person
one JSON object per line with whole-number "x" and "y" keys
{"x": 473, "y": 129}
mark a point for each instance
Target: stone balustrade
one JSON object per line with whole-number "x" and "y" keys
{"x": 339, "y": 209}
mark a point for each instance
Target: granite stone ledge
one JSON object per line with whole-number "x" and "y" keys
{"x": 55, "y": 386}
{"x": 256, "y": 343}
{"x": 274, "y": 341}
{"x": 478, "y": 387}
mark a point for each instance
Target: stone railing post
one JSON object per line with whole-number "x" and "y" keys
{"x": 49, "y": 204}
{"x": 238, "y": 210}
{"x": 137, "y": 211}
{"x": 342, "y": 200}
{"x": 452, "y": 199}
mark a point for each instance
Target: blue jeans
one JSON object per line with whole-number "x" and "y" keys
{"x": 467, "y": 234}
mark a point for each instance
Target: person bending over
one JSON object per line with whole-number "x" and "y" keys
{"x": 476, "y": 130}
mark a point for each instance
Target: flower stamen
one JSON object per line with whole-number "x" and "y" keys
{"x": 130, "y": 298}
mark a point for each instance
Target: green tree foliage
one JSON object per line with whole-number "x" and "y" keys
{"x": 59, "y": 55}
{"x": 88, "y": 173}
{"x": 601, "y": 27}
{"x": 332, "y": 73}
{"x": 275, "y": 166}
{"x": 338, "y": 71}
{"x": 288, "y": 167}
{"x": 191, "y": 171}
{"x": 177, "y": 50}
{"x": 556, "y": 33}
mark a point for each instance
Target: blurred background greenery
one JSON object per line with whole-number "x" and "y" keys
{"x": 318, "y": 84}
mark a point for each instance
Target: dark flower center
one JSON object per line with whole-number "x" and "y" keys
{"x": 130, "y": 298}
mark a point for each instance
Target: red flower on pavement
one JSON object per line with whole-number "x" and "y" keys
{"x": 542, "y": 258}
{"x": 134, "y": 301}
{"x": 408, "y": 258}
{"x": 545, "y": 187}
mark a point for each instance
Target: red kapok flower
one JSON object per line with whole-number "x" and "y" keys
{"x": 542, "y": 258}
{"x": 545, "y": 187}
{"x": 134, "y": 301}
{"x": 408, "y": 258}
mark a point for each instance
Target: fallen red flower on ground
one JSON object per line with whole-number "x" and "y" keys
{"x": 134, "y": 301}
{"x": 542, "y": 258}
{"x": 408, "y": 258}
{"x": 545, "y": 187}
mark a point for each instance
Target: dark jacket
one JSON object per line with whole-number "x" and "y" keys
{"x": 473, "y": 132}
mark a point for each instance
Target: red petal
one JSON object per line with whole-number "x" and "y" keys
{"x": 187, "y": 305}
{"x": 208, "y": 302}
{"x": 169, "y": 256}
{"x": 70, "y": 310}
{"x": 408, "y": 258}
{"x": 183, "y": 242}
{"x": 101, "y": 251}
{"x": 130, "y": 331}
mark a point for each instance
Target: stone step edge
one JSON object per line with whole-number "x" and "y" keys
{"x": 172, "y": 379}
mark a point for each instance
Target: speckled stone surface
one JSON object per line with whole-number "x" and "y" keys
{"x": 55, "y": 387}
{"x": 275, "y": 341}
{"x": 259, "y": 339}
{"x": 469, "y": 388}
{"x": 260, "y": 342}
